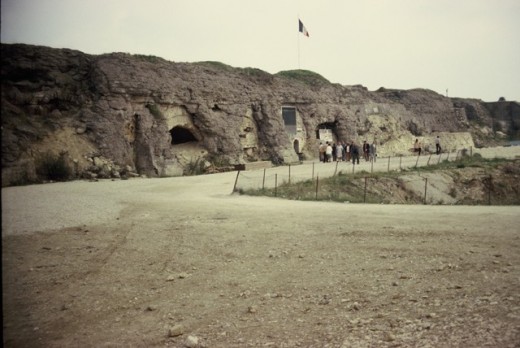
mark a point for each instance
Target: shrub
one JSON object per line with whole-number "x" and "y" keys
{"x": 195, "y": 167}
{"x": 155, "y": 111}
{"x": 53, "y": 167}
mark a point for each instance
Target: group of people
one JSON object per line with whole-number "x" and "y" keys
{"x": 418, "y": 148}
{"x": 351, "y": 152}
{"x": 345, "y": 151}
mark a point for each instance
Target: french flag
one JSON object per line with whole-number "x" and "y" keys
{"x": 302, "y": 28}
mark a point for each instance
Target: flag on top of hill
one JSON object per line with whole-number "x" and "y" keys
{"x": 302, "y": 28}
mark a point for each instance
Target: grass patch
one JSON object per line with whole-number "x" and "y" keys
{"x": 308, "y": 77}
{"x": 475, "y": 161}
{"x": 150, "y": 58}
{"x": 217, "y": 65}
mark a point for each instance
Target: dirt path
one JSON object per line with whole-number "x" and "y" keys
{"x": 169, "y": 262}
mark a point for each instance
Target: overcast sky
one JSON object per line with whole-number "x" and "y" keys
{"x": 469, "y": 47}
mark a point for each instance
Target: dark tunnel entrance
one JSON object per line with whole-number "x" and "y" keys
{"x": 181, "y": 135}
{"x": 327, "y": 131}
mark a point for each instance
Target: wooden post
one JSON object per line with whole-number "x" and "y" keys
{"x": 425, "y": 188}
{"x": 275, "y": 184}
{"x": 365, "y": 192}
{"x": 417, "y": 162}
{"x": 336, "y": 169}
{"x": 236, "y": 180}
{"x": 317, "y": 184}
{"x": 388, "y": 169}
{"x": 313, "y": 170}
{"x": 400, "y": 160}
{"x": 289, "y": 174}
{"x": 489, "y": 191}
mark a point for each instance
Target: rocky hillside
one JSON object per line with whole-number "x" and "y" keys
{"x": 119, "y": 114}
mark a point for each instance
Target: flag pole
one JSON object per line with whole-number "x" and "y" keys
{"x": 298, "y": 33}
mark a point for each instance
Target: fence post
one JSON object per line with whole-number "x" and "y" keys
{"x": 417, "y": 162}
{"x": 336, "y": 169}
{"x": 425, "y": 188}
{"x": 365, "y": 191}
{"x": 400, "y": 160}
{"x": 275, "y": 184}
{"x": 263, "y": 181}
{"x": 289, "y": 174}
{"x": 312, "y": 170}
{"x": 489, "y": 191}
{"x": 388, "y": 169}
{"x": 236, "y": 180}
{"x": 317, "y": 183}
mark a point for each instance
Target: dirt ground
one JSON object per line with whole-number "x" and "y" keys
{"x": 180, "y": 262}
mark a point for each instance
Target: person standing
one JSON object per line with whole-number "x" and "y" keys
{"x": 339, "y": 152}
{"x": 355, "y": 153}
{"x": 365, "y": 150}
{"x": 322, "y": 149}
{"x": 347, "y": 152}
{"x": 328, "y": 153}
{"x": 373, "y": 152}
{"x": 417, "y": 147}
{"x": 438, "y": 145}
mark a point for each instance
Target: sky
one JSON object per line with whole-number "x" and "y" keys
{"x": 459, "y": 48}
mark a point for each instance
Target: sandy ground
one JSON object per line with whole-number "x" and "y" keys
{"x": 181, "y": 262}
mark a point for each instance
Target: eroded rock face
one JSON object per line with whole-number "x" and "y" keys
{"x": 153, "y": 117}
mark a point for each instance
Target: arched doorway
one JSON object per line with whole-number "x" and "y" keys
{"x": 296, "y": 145}
{"x": 181, "y": 135}
{"x": 327, "y": 131}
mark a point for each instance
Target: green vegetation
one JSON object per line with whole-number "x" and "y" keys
{"x": 195, "y": 167}
{"x": 218, "y": 65}
{"x": 475, "y": 161}
{"x": 51, "y": 167}
{"x": 343, "y": 187}
{"x": 257, "y": 73}
{"x": 149, "y": 58}
{"x": 155, "y": 111}
{"x": 219, "y": 161}
{"x": 308, "y": 77}
{"x": 386, "y": 187}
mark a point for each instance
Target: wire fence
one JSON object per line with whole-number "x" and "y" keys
{"x": 310, "y": 173}
{"x": 274, "y": 176}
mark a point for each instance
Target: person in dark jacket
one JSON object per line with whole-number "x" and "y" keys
{"x": 355, "y": 153}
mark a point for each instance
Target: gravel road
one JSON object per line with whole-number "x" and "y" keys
{"x": 182, "y": 262}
